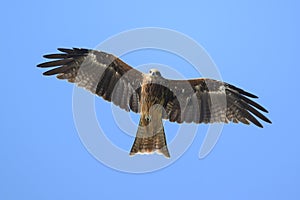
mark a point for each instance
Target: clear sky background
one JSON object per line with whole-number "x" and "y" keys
{"x": 255, "y": 45}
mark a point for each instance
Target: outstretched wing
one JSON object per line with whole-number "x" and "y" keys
{"x": 99, "y": 72}
{"x": 208, "y": 101}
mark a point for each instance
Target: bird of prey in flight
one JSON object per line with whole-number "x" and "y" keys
{"x": 154, "y": 97}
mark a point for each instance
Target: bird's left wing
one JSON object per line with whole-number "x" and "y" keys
{"x": 101, "y": 73}
{"x": 209, "y": 101}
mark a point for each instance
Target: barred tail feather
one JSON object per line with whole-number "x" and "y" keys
{"x": 148, "y": 141}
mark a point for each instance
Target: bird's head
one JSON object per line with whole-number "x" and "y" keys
{"x": 154, "y": 72}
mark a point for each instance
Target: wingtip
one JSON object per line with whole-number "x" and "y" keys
{"x": 259, "y": 125}
{"x": 43, "y": 65}
{"x": 47, "y": 73}
{"x": 56, "y": 56}
{"x": 250, "y": 95}
{"x": 269, "y": 121}
{"x": 263, "y": 109}
{"x": 65, "y": 50}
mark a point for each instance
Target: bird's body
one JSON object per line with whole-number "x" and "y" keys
{"x": 199, "y": 100}
{"x": 150, "y": 136}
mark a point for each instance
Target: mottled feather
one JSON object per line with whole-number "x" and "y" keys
{"x": 99, "y": 72}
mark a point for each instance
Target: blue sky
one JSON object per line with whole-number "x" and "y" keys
{"x": 255, "y": 45}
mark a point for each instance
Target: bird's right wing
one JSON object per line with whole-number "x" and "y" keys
{"x": 101, "y": 73}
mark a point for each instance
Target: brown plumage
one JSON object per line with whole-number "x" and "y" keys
{"x": 154, "y": 97}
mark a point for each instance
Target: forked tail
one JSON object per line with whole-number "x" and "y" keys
{"x": 150, "y": 139}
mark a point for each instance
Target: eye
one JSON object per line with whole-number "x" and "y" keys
{"x": 150, "y": 71}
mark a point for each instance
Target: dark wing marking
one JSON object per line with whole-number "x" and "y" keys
{"x": 208, "y": 101}
{"x": 99, "y": 72}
